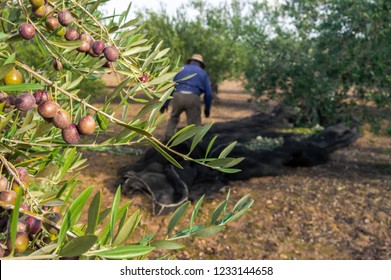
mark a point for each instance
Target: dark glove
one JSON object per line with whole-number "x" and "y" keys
{"x": 207, "y": 113}
{"x": 163, "y": 109}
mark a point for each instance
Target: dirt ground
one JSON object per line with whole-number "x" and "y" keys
{"x": 340, "y": 210}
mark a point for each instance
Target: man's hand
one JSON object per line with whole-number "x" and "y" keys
{"x": 163, "y": 109}
{"x": 207, "y": 113}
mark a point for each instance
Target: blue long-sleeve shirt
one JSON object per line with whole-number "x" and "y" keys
{"x": 197, "y": 84}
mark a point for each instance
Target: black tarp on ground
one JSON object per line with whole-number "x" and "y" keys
{"x": 169, "y": 186}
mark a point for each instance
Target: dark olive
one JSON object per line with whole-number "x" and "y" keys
{"x": 8, "y": 196}
{"x": 10, "y": 101}
{"x": 22, "y": 173}
{"x": 91, "y": 53}
{"x": 62, "y": 119}
{"x": 35, "y": 224}
{"x": 27, "y": 31}
{"x": 23, "y": 226}
{"x": 71, "y": 134}
{"x": 3, "y": 183}
{"x": 85, "y": 46}
{"x": 25, "y": 102}
{"x": 71, "y": 35}
{"x": 52, "y": 23}
{"x": 65, "y": 17}
{"x": 48, "y": 109}
{"x": 57, "y": 65}
{"x": 86, "y": 125}
{"x": 98, "y": 47}
{"x": 86, "y": 37}
{"x": 41, "y": 96}
{"x": 144, "y": 78}
{"x": 111, "y": 53}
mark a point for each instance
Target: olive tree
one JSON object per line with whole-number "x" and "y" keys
{"x": 45, "y": 125}
{"x": 324, "y": 58}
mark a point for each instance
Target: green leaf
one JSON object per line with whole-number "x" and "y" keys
{"x": 200, "y": 134}
{"x": 224, "y": 153}
{"x": 177, "y": 216}
{"x": 93, "y": 213}
{"x": 21, "y": 87}
{"x": 148, "y": 61}
{"x": 165, "y": 154}
{"x": 124, "y": 252}
{"x": 135, "y": 50}
{"x": 114, "y": 211}
{"x": 167, "y": 245}
{"x": 53, "y": 202}
{"x": 44, "y": 250}
{"x": 220, "y": 162}
{"x": 179, "y": 132}
{"x": 102, "y": 121}
{"x": 14, "y": 220}
{"x": 147, "y": 108}
{"x": 25, "y": 128}
{"x": 10, "y": 59}
{"x": 129, "y": 23}
{"x": 128, "y": 228}
{"x": 163, "y": 78}
{"x": 136, "y": 129}
{"x": 239, "y": 214}
{"x": 121, "y": 86}
{"x": 185, "y": 135}
{"x": 217, "y": 212}
{"x": 113, "y": 29}
{"x": 208, "y": 231}
{"x": 70, "y": 45}
{"x": 162, "y": 53}
{"x": 6, "y": 120}
{"x": 75, "y": 83}
{"x": 229, "y": 170}
{"x": 3, "y": 35}
{"x": 196, "y": 209}
{"x": 73, "y": 213}
{"x": 78, "y": 246}
{"x": 241, "y": 202}
{"x": 210, "y": 146}
{"x": 5, "y": 69}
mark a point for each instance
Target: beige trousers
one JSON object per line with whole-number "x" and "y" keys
{"x": 181, "y": 102}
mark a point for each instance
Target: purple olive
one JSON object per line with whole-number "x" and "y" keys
{"x": 71, "y": 34}
{"x": 111, "y": 53}
{"x": 48, "y": 109}
{"x": 35, "y": 224}
{"x": 41, "y": 96}
{"x": 25, "y": 102}
{"x": 86, "y": 125}
{"x": 62, "y": 119}
{"x": 71, "y": 134}
{"x": 98, "y": 47}
{"x": 27, "y": 31}
{"x": 65, "y": 17}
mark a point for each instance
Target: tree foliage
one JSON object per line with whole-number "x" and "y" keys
{"x": 324, "y": 57}
{"x": 215, "y": 31}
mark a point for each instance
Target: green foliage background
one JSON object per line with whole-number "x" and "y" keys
{"x": 326, "y": 59}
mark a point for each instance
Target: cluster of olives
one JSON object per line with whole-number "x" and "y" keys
{"x": 28, "y": 226}
{"x": 60, "y": 22}
{"x": 51, "y": 111}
